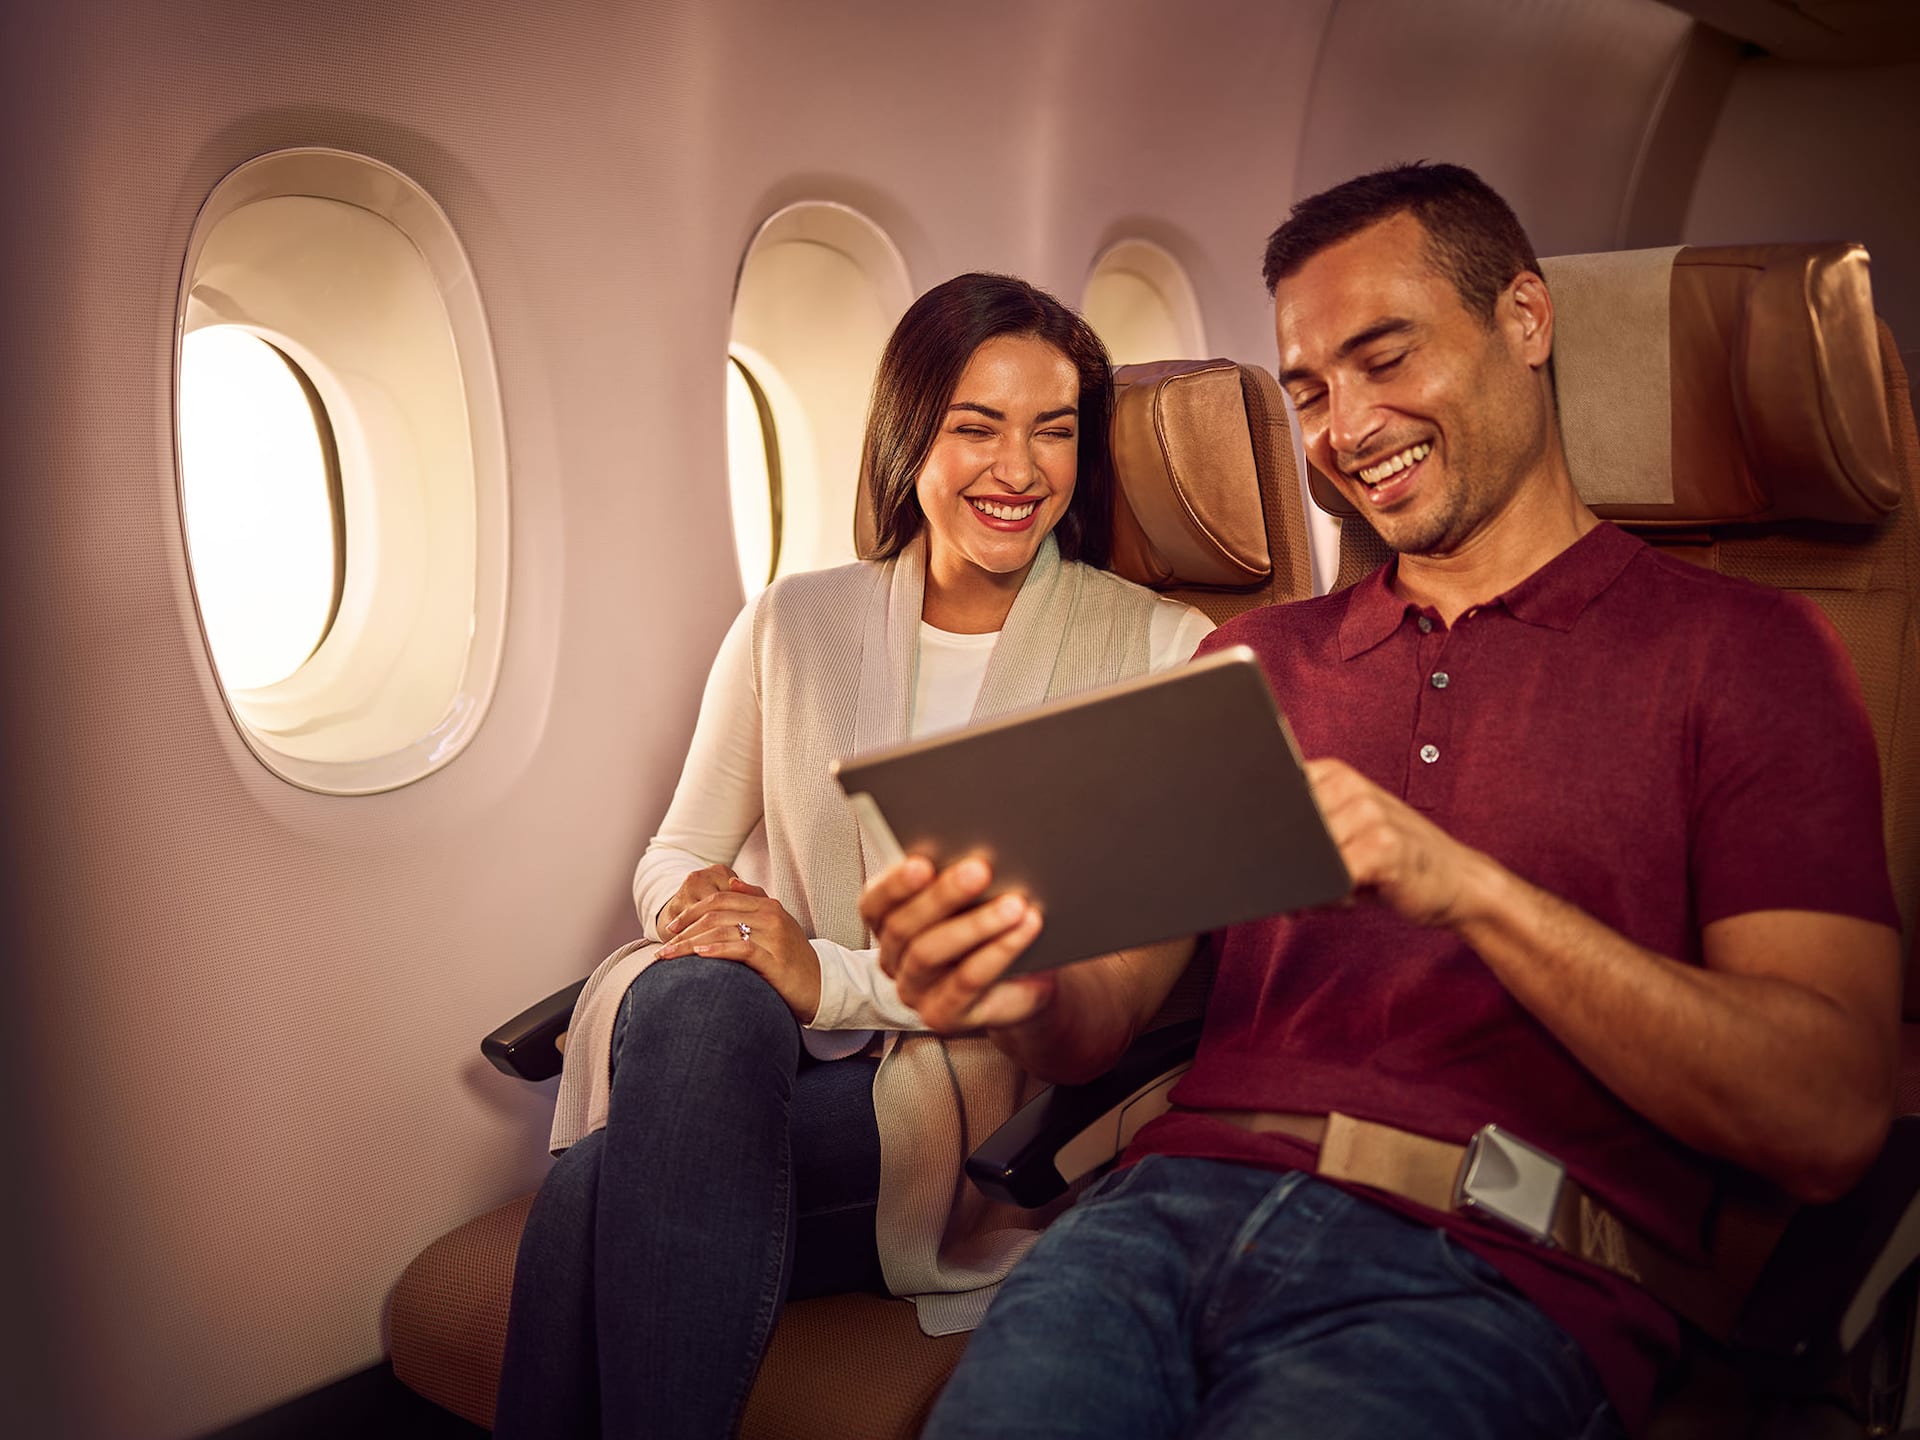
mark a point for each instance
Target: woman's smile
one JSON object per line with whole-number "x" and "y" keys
{"x": 1011, "y": 512}
{"x": 997, "y": 478}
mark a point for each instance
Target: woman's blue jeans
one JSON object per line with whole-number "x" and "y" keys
{"x": 1189, "y": 1298}
{"x": 659, "y": 1250}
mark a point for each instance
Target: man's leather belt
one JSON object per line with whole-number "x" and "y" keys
{"x": 1430, "y": 1172}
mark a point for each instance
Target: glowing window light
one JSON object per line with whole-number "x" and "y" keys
{"x": 1132, "y": 317}
{"x": 262, "y": 496}
{"x": 753, "y": 471}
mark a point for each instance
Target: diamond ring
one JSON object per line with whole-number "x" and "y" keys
{"x": 746, "y": 931}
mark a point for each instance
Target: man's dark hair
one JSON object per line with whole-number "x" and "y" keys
{"x": 915, "y": 383}
{"x": 1473, "y": 238}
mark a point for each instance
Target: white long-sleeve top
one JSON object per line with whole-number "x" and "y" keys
{"x": 718, "y": 802}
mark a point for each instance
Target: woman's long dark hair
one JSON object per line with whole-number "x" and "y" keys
{"x": 918, "y": 373}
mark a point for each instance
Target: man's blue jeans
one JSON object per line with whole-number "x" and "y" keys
{"x": 1193, "y": 1298}
{"x": 660, "y": 1249}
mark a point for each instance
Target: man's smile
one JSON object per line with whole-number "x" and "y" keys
{"x": 1382, "y": 470}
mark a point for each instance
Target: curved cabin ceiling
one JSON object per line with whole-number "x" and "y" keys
{"x": 1817, "y": 32}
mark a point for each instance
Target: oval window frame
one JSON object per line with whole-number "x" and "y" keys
{"x": 818, "y": 436}
{"x": 279, "y": 722}
{"x": 1153, "y": 265}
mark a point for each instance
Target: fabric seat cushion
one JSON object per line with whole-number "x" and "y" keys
{"x": 840, "y": 1365}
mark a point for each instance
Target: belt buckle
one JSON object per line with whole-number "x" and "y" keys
{"x": 1504, "y": 1178}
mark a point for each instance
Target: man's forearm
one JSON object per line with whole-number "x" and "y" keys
{"x": 1765, "y": 1071}
{"x": 1098, "y": 1007}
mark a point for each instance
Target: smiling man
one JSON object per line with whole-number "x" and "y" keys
{"x": 1621, "y": 893}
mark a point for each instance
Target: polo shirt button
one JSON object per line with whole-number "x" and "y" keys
{"x": 1440, "y": 679}
{"x": 1429, "y": 753}
{"x": 1426, "y": 625}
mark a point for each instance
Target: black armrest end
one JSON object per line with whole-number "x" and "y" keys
{"x": 1826, "y": 1280}
{"x": 524, "y": 1046}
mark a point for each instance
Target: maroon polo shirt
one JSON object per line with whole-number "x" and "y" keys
{"x": 1657, "y": 744}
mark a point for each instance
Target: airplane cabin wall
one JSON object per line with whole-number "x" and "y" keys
{"x": 1803, "y": 152}
{"x": 1548, "y": 101}
{"x": 249, "y": 1013}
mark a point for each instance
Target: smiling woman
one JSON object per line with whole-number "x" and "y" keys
{"x": 997, "y": 479}
{"x": 987, "y": 358}
{"x": 987, "y": 470}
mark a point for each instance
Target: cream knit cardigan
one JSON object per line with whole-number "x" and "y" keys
{"x": 833, "y": 663}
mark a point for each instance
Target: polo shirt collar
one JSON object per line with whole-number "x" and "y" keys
{"x": 1552, "y": 597}
{"x": 1373, "y": 613}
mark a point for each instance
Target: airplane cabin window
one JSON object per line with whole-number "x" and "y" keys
{"x": 753, "y": 469}
{"x": 819, "y": 291}
{"x": 1141, "y": 304}
{"x": 342, "y": 470}
{"x": 260, "y": 483}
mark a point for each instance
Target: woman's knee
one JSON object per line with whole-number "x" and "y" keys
{"x": 719, "y": 1000}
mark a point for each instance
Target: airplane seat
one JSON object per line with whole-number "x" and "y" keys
{"x": 1794, "y": 463}
{"x": 1208, "y": 508}
{"x": 1198, "y": 515}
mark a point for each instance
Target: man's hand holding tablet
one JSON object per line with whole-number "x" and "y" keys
{"x": 1145, "y": 812}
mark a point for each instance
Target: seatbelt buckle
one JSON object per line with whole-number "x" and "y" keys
{"x": 1504, "y": 1178}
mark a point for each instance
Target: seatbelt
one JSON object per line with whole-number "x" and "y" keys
{"x": 1500, "y": 1177}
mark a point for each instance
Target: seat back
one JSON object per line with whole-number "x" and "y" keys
{"x": 1793, "y": 463}
{"x": 1208, "y": 509}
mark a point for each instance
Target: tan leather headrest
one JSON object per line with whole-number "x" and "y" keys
{"x": 1778, "y": 407}
{"x": 1187, "y": 508}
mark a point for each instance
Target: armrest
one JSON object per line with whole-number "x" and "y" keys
{"x": 1825, "y": 1282}
{"x": 527, "y": 1045}
{"x": 1070, "y": 1130}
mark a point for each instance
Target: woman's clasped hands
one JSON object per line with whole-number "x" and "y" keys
{"x": 716, "y": 914}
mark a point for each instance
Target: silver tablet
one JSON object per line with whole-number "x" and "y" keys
{"x": 1155, "y": 808}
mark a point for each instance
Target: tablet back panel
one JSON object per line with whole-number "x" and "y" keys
{"x": 1160, "y": 807}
